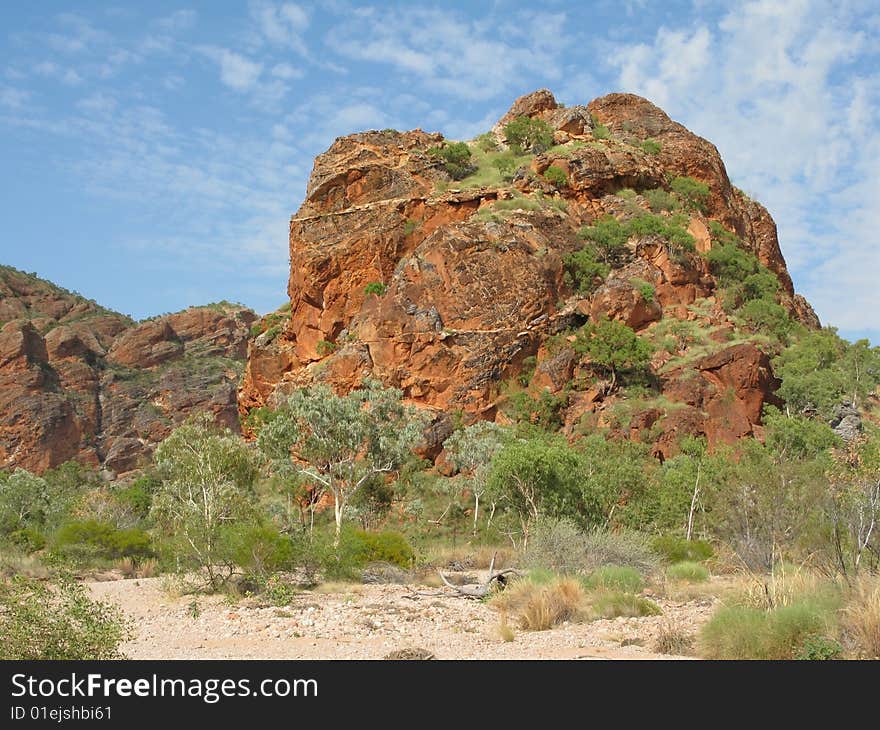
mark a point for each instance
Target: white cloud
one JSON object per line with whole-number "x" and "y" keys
{"x": 286, "y": 72}
{"x": 775, "y": 85}
{"x": 459, "y": 57}
{"x": 13, "y": 98}
{"x": 49, "y": 69}
{"x": 177, "y": 21}
{"x": 236, "y": 71}
{"x": 282, "y": 24}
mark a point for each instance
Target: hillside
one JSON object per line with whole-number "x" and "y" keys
{"x": 470, "y": 275}
{"x": 78, "y": 381}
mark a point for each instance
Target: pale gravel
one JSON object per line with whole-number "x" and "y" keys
{"x": 368, "y": 623}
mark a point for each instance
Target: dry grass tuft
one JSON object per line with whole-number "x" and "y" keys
{"x": 337, "y": 587}
{"x": 674, "y": 640}
{"x": 861, "y": 618}
{"x": 538, "y": 607}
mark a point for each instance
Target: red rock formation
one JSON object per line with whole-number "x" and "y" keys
{"x": 80, "y": 382}
{"x": 470, "y": 294}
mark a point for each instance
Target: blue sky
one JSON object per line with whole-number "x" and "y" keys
{"x": 154, "y": 152}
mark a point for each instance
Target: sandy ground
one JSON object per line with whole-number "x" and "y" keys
{"x": 369, "y": 622}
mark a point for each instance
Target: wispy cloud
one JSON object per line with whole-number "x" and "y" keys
{"x": 452, "y": 55}
{"x": 774, "y": 85}
{"x": 236, "y": 71}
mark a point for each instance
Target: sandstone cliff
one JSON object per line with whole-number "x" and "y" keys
{"x": 81, "y": 382}
{"x": 456, "y": 291}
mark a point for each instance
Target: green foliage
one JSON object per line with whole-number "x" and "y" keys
{"x": 651, "y": 146}
{"x": 486, "y": 142}
{"x": 28, "y": 539}
{"x": 677, "y": 550}
{"x": 762, "y": 503}
{"x": 386, "y": 547}
{"x": 600, "y": 131}
{"x": 341, "y": 442}
{"x": 43, "y": 622}
{"x": 688, "y": 571}
{"x": 797, "y": 437}
{"x": 325, "y": 347}
{"x": 694, "y": 193}
{"x": 645, "y": 288}
{"x": 583, "y": 272}
{"x": 617, "y": 578}
{"x": 608, "y": 237}
{"x": 766, "y": 315}
{"x": 456, "y": 159}
{"x": 91, "y": 538}
{"x": 611, "y": 604}
{"x": 556, "y": 176}
{"x": 506, "y": 163}
{"x": 527, "y": 134}
{"x": 543, "y": 410}
{"x": 375, "y": 287}
{"x": 536, "y": 476}
{"x": 208, "y": 479}
{"x": 561, "y": 545}
{"x": 615, "y": 347}
{"x": 738, "y": 632}
{"x": 257, "y": 549}
{"x": 672, "y": 228}
{"x": 819, "y": 648}
{"x": 408, "y": 227}
{"x": 660, "y": 200}
{"x": 821, "y": 370}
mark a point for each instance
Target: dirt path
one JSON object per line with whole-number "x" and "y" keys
{"x": 367, "y": 622}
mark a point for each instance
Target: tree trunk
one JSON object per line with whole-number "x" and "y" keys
{"x": 338, "y": 506}
{"x": 476, "y": 511}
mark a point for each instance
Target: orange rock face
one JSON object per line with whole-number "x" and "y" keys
{"x": 461, "y": 296}
{"x": 80, "y": 382}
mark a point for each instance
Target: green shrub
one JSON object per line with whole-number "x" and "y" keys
{"x": 734, "y": 632}
{"x": 386, "y": 547}
{"x": 614, "y": 347}
{"x": 560, "y": 545}
{"x": 660, "y": 200}
{"x": 375, "y": 287}
{"x": 28, "y": 539}
{"x": 676, "y": 549}
{"x": 645, "y": 288}
{"x": 506, "y": 163}
{"x": 529, "y": 135}
{"x": 651, "y": 146}
{"x": 688, "y": 571}
{"x": 671, "y": 228}
{"x": 611, "y": 604}
{"x": 617, "y": 578}
{"x": 90, "y": 538}
{"x": 583, "y": 272}
{"x": 324, "y": 347}
{"x": 486, "y": 142}
{"x": 556, "y": 176}
{"x": 257, "y": 549}
{"x": 456, "y": 159}
{"x": 600, "y": 131}
{"x": 408, "y": 227}
{"x": 768, "y": 316}
{"x": 43, "y": 622}
{"x": 739, "y": 632}
{"x": 819, "y": 648}
{"x": 693, "y": 192}
{"x": 608, "y": 237}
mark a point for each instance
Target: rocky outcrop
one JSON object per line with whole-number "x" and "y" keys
{"x": 80, "y": 382}
{"x": 450, "y": 290}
